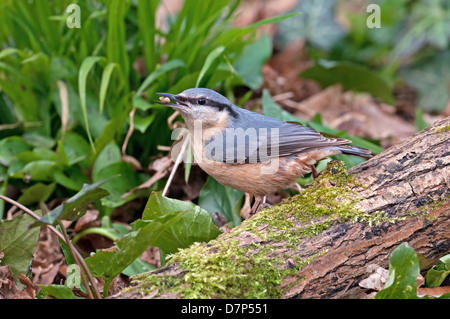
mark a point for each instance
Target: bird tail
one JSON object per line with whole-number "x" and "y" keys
{"x": 355, "y": 150}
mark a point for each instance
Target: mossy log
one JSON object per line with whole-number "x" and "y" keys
{"x": 320, "y": 243}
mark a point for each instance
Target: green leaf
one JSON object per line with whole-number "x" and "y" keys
{"x": 166, "y": 67}
{"x": 141, "y": 123}
{"x": 106, "y": 76}
{"x": 109, "y": 155}
{"x": 116, "y": 50}
{"x": 272, "y": 20}
{"x": 316, "y": 25}
{"x": 18, "y": 243}
{"x": 125, "y": 178}
{"x": 56, "y": 291}
{"x": 75, "y": 147}
{"x": 436, "y": 275}
{"x": 36, "y": 193}
{"x": 40, "y": 170}
{"x": 420, "y": 122}
{"x": 403, "y": 271}
{"x": 352, "y": 77}
{"x": 209, "y": 66}
{"x": 108, "y": 264}
{"x": 74, "y": 207}
{"x": 10, "y": 147}
{"x": 195, "y": 225}
{"x": 70, "y": 177}
{"x": 146, "y": 11}
{"x": 137, "y": 267}
{"x": 214, "y": 197}
{"x": 431, "y": 78}
{"x": 249, "y": 64}
{"x": 85, "y": 68}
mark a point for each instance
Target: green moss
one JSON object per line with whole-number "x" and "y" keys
{"x": 439, "y": 130}
{"x": 228, "y": 268}
{"x": 223, "y": 270}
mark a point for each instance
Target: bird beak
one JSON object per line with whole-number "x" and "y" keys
{"x": 171, "y": 97}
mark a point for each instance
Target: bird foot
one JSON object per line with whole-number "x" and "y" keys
{"x": 258, "y": 209}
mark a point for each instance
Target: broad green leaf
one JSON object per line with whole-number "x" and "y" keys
{"x": 37, "y": 193}
{"x": 137, "y": 267}
{"x": 56, "y": 291}
{"x": 214, "y": 197}
{"x": 76, "y": 148}
{"x": 108, "y": 264}
{"x": 353, "y": 77}
{"x": 70, "y": 177}
{"x": 40, "y": 170}
{"x": 431, "y": 78}
{"x": 125, "y": 179}
{"x": 195, "y": 225}
{"x": 18, "y": 243}
{"x": 403, "y": 271}
{"x": 38, "y": 140}
{"x": 437, "y": 274}
{"x": 10, "y": 147}
{"x": 316, "y": 25}
{"x": 141, "y": 123}
{"x": 74, "y": 207}
{"x": 109, "y": 155}
{"x": 37, "y": 154}
{"x": 248, "y": 66}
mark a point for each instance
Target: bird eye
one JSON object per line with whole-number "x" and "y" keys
{"x": 201, "y": 101}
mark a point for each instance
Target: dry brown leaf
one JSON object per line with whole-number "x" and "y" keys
{"x": 47, "y": 258}
{"x": 90, "y": 219}
{"x": 433, "y": 291}
{"x": 9, "y": 289}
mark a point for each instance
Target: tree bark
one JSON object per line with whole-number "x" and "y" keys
{"x": 407, "y": 185}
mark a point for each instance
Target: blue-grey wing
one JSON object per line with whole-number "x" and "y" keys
{"x": 256, "y": 138}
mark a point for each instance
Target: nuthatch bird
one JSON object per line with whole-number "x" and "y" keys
{"x": 249, "y": 151}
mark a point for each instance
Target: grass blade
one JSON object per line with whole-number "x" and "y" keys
{"x": 86, "y": 66}
{"x": 115, "y": 43}
{"x": 173, "y": 64}
{"x": 106, "y": 76}
{"x": 210, "y": 59}
{"x": 147, "y": 28}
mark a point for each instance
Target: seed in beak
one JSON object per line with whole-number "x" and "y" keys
{"x": 164, "y": 99}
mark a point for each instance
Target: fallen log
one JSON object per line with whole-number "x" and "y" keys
{"x": 320, "y": 243}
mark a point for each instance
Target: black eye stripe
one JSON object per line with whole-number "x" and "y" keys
{"x": 219, "y": 106}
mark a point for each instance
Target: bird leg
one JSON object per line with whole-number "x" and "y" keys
{"x": 258, "y": 205}
{"x": 314, "y": 172}
{"x": 255, "y": 206}
{"x": 246, "y": 209}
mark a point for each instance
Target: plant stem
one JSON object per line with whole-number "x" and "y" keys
{"x": 77, "y": 261}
